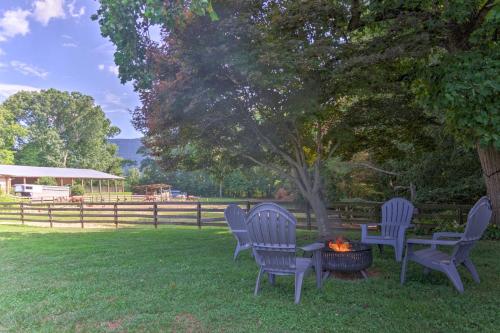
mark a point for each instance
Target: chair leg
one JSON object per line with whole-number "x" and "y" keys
{"x": 398, "y": 249}
{"x": 381, "y": 248}
{"x": 299, "y": 277}
{"x": 272, "y": 278}
{"x": 404, "y": 267}
{"x": 472, "y": 269}
{"x": 236, "y": 251}
{"x": 257, "y": 284}
{"x": 452, "y": 273}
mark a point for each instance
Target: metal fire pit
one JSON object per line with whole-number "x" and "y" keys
{"x": 357, "y": 259}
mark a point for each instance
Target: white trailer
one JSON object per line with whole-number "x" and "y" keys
{"x": 35, "y": 191}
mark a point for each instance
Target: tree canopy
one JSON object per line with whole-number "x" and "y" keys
{"x": 289, "y": 85}
{"x": 62, "y": 129}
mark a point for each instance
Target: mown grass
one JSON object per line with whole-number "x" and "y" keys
{"x": 183, "y": 279}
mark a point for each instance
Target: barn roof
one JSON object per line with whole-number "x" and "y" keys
{"x": 31, "y": 171}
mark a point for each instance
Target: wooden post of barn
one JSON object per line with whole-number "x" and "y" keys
{"x": 81, "y": 213}
{"x": 116, "y": 186}
{"x": 115, "y": 206}
{"x": 91, "y": 187}
{"x": 155, "y": 214}
{"x": 198, "y": 215}
{"x": 308, "y": 216}
{"x": 50, "y": 215}
{"x": 100, "y": 186}
{"x": 21, "y": 205}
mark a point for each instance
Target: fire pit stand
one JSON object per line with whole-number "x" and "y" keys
{"x": 357, "y": 259}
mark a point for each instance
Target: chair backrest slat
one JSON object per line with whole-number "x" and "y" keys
{"x": 395, "y": 212}
{"x": 271, "y": 231}
{"x": 235, "y": 217}
{"x": 477, "y": 221}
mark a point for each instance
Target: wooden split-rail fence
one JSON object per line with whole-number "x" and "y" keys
{"x": 342, "y": 215}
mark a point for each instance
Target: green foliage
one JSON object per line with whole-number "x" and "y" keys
{"x": 10, "y": 132}
{"x": 466, "y": 87}
{"x": 63, "y": 130}
{"x": 132, "y": 178}
{"x": 77, "y": 189}
{"x": 492, "y": 232}
{"x": 126, "y": 23}
{"x": 47, "y": 181}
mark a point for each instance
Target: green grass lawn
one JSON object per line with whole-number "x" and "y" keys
{"x": 184, "y": 280}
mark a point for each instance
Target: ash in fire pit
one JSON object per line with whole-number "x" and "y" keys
{"x": 342, "y": 255}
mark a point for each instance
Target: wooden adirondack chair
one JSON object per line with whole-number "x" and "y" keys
{"x": 271, "y": 229}
{"x": 397, "y": 214}
{"x": 235, "y": 217}
{"x": 431, "y": 258}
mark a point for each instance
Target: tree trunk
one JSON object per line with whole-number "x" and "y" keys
{"x": 321, "y": 213}
{"x": 490, "y": 163}
{"x": 220, "y": 189}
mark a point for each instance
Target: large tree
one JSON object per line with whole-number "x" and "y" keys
{"x": 256, "y": 83}
{"x": 453, "y": 51}
{"x": 63, "y": 130}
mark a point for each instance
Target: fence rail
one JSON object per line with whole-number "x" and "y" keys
{"x": 342, "y": 215}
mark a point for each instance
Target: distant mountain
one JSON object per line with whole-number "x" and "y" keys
{"x": 127, "y": 149}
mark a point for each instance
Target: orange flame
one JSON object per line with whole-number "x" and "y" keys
{"x": 339, "y": 245}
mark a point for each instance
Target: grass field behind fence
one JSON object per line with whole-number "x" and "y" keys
{"x": 182, "y": 279}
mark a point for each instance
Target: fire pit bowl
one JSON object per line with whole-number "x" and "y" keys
{"x": 347, "y": 256}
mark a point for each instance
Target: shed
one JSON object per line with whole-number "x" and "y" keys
{"x": 22, "y": 174}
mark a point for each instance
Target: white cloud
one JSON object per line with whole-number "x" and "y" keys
{"x": 113, "y": 69}
{"x": 113, "y": 99}
{"x": 26, "y": 69}
{"x": 45, "y": 10}
{"x": 2, "y": 52}
{"x": 10, "y": 89}
{"x": 67, "y": 37}
{"x": 69, "y": 45}
{"x": 14, "y": 22}
{"x": 101, "y": 67}
{"x": 75, "y": 12}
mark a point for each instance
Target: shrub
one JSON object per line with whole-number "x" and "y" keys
{"x": 77, "y": 190}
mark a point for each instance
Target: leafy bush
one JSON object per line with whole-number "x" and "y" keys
{"x": 47, "y": 181}
{"x": 77, "y": 190}
{"x": 492, "y": 232}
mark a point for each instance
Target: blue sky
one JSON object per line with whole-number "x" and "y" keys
{"x": 54, "y": 44}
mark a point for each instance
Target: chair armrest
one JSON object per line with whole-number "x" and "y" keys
{"x": 239, "y": 231}
{"x": 312, "y": 247}
{"x": 430, "y": 242}
{"x": 445, "y": 234}
{"x": 364, "y": 229}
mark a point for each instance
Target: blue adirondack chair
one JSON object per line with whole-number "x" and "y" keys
{"x": 397, "y": 214}
{"x": 431, "y": 258}
{"x": 235, "y": 217}
{"x": 271, "y": 229}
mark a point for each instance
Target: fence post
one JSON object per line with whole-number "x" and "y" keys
{"x": 308, "y": 216}
{"x": 115, "y": 212}
{"x": 81, "y": 214}
{"x": 22, "y": 212}
{"x": 155, "y": 214}
{"x": 460, "y": 218}
{"x": 50, "y": 215}
{"x": 198, "y": 215}
{"x": 248, "y": 206}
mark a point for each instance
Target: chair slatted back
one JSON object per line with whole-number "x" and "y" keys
{"x": 477, "y": 221}
{"x": 395, "y": 212}
{"x": 235, "y": 217}
{"x": 271, "y": 229}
